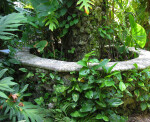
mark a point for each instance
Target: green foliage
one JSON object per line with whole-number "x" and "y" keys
{"x": 138, "y": 32}
{"x": 48, "y": 15}
{"x": 55, "y": 9}
{"x": 102, "y": 95}
{"x": 86, "y": 4}
{"x": 51, "y": 21}
{"x": 41, "y": 45}
{"x": 94, "y": 94}
{"x": 13, "y": 107}
{"x": 106, "y": 32}
{"x": 5, "y": 84}
{"x": 10, "y": 23}
{"x": 135, "y": 34}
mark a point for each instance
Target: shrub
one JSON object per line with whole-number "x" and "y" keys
{"x": 12, "y": 105}
{"x": 102, "y": 95}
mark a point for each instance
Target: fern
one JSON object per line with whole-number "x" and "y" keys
{"x": 10, "y": 23}
{"x": 86, "y": 4}
{"x": 51, "y": 21}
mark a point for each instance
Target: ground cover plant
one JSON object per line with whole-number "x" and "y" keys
{"x": 69, "y": 30}
{"x": 93, "y": 95}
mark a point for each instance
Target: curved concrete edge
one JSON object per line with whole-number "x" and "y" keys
{"x": 143, "y": 61}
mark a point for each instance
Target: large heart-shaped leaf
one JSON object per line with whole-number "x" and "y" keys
{"x": 139, "y": 35}
{"x": 138, "y": 32}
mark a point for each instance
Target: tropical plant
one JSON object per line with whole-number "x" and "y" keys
{"x": 55, "y": 9}
{"x": 133, "y": 34}
{"x": 101, "y": 96}
{"x": 10, "y": 23}
{"x": 138, "y": 33}
{"x": 94, "y": 96}
{"x": 12, "y": 105}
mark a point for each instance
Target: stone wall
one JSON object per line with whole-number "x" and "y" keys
{"x": 27, "y": 59}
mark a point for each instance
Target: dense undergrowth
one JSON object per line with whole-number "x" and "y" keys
{"x": 90, "y": 95}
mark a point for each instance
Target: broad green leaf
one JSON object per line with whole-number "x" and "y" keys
{"x": 23, "y": 69}
{"x": 109, "y": 82}
{"x": 140, "y": 83}
{"x": 100, "y": 116}
{"x": 82, "y": 63}
{"x": 14, "y": 61}
{"x": 137, "y": 92}
{"x": 75, "y": 96}
{"x": 89, "y": 94}
{"x": 87, "y": 106}
{"x": 63, "y": 11}
{"x": 60, "y": 88}
{"x": 75, "y": 21}
{"x": 131, "y": 20}
{"x": 86, "y": 86}
{"x": 69, "y": 18}
{"x": 3, "y": 95}
{"x": 67, "y": 26}
{"x": 138, "y": 32}
{"x": 52, "y": 76}
{"x": 143, "y": 106}
{"x": 91, "y": 79}
{"x": 115, "y": 102}
{"x": 139, "y": 35}
{"x": 122, "y": 86}
{"x": 101, "y": 64}
{"x": 94, "y": 61}
{"x": 39, "y": 101}
{"x": 77, "y": 88}
{"x": 135, "y": 65}
{"x": 84, "y": 72}
{"x": 41, "y": 45}
{"x": 101, "y": 104}
{"x": 78, "y": 114}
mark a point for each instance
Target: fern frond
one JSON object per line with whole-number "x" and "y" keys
{"x": 86, "y": 4}
{"x": 51, "y": 21}
{"x": 9, "y": 23}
